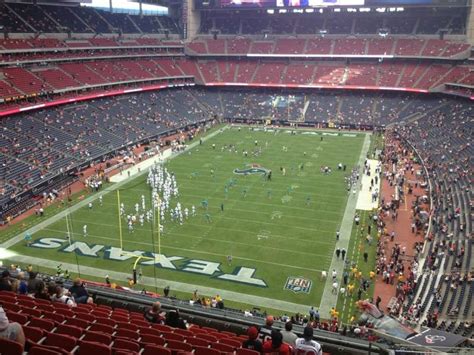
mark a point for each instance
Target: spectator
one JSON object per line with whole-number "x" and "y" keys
{"x": 307, "y": 344}
{"x": 33, "y": 282}
{"x": 275, "y": 345}
{"x": 174, "y": 320}
{"x": 59, "y": 296}
{"x": 154, "y": 314}
{"x": 22, "y": 284}
{"x": 252, "y": 342}
{"x": 11, "y": 331}
{"x": 41, "y": 291}
{"x": 79, "y": 292}
{"x": 5, "y": 283}
{"x": 288, "y": 336}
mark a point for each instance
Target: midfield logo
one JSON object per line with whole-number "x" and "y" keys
{"x": 298, "y": 284}
{"x": 251, "y": 169}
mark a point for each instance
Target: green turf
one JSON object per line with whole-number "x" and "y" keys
{"x": 272, "y": 229}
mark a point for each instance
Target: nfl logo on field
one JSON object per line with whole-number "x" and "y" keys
{"x": 298, "y": 284}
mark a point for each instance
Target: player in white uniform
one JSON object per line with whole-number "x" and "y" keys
{"x": 84, "y": 230}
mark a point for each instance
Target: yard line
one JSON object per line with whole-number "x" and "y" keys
{"x": 195, "y": 251}
{"x": 258, "y": 212}
{"x": 312, "y": 229}
{"x": 173, "y": 232}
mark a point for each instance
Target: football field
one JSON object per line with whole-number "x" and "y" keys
{"x": 279, "y": 232}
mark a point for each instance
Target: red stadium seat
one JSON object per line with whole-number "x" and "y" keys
{"x": 97, "y": 337}
{"x": 17, "y": 317}
{"x": 210, "y": 330}
{"x": 150, "y": 331}
{"x": 201, "y": 350}
{"x": 40, "y": 300}
{"x": 126, "y": 333}
{"x": 183, "y": 332}
{"x": 44, "y": 350}
{"x": 59, "y": 305}
{"x": 156, "y": 350}
{"x": 77, "y": 322}
{"x": 62, "y": 341}
{"x": 104, "y": 307}
{"x": 11, "y": 306}
{"x": 152, "y": 339}
{"x": 178, "y": 345}
{"x": 198, "y": 342}
{"x": 31, "y": 312}
{"x": 86, "y": 316}
{"x": 28, "y": 302}
{"x": 140, "y": 323}
{"x": 55, "y": 317}
{"x": 9, "y": 347}
{"x": 102, "y": 328}
{"x": 45, "y": 307}
{"x": 172, "y": 336}
{"x": 207, "y": 337}
{"x": 119, "y": 318}
{"x": 229, "y": 334}
{"x": 41, "y": 323}
{"x": 69, "y": 330}
{"x": 106, "y": 321}
{"x": 222, "y": 347}
{"x": 196, "y": 330}
{"x": 85, "y": 306}
{"x": 33, "y": 334}
{"x": 129, "y": 326}
{"x": 122, "y": 344}
{"x": 231, "y": 342}
{"x": 161, "y": 327}
{"x": 242, "y": 351}
{"x": 93, "y": 348}
{"x": 81, "y": 311}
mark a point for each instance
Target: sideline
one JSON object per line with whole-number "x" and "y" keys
{"x": 328, "y": 299}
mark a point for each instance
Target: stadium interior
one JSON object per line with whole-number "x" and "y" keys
{"x": 82, "y": 86}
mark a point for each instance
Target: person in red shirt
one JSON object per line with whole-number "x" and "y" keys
{"x": 276, "y": 346}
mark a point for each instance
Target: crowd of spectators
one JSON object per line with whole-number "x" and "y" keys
{"x": 340, "y": 23}
{"x": 448, "y": 158}
{"x": 77, "y": 19}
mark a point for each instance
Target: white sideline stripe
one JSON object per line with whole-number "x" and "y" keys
{"x": 174, "y": 285}
{"x": 84, "y": 239}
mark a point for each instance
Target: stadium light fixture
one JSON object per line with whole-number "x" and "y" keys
{"x": 282, "y": 11}
{"x": 351, "y": 9}
{"x": 270, "y": 11}
{"x": 309, "y": 11}
{"x": 380, "y": 9}
{"x": 400, "y": 9}
{"x": 337, "y": 10}
{"x": 364, "y": 9}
